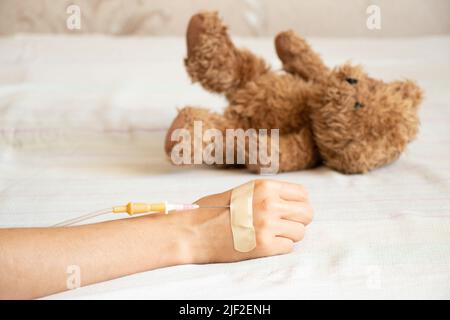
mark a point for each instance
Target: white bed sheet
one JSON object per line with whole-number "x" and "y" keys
{"x": 82, "y": 123}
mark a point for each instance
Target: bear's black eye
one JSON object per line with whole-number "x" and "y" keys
{"x": 352, "y": 81}
{"x": 358, "y": 105}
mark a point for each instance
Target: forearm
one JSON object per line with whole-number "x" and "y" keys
{"x": 34, "y": 261}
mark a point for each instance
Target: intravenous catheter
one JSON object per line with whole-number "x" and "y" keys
{"x": 134, "y": 208}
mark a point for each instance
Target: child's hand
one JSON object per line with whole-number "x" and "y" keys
{"x": 281, "y": 210}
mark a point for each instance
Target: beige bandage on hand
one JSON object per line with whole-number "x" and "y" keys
{"x": 241, "y": 214}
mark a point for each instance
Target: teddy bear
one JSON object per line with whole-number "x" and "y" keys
{"x": 339, "y": 117}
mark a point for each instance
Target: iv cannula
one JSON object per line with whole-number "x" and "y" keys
{"x": 133, "y": 208}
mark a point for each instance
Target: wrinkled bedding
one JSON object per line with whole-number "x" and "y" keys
{"x": 82, "y": 123}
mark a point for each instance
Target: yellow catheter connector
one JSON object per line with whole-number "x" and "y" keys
{"x": 131, "y": 208}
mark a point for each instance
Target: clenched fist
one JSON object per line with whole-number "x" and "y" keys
{"x": 281, "y": 211}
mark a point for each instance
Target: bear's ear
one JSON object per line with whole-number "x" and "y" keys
{"x": 407, "y": 90}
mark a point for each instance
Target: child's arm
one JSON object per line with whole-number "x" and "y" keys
{"x": 35, "y": 261}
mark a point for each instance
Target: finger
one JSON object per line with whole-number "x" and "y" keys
{"x": 294, "y": 231}
{"x": 293, "y": 192}
{"x": 301, "y": 212}
{"x": 283, "y": 245}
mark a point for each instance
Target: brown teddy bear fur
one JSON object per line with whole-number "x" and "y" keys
{"x": 339, "y": 117}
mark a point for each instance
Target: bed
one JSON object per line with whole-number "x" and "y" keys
{"x": 82, "y": 125}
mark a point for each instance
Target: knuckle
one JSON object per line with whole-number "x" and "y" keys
{"x": 266, "y": 225}
{"x": 263, "y": 240}
{"x": 263, "y": 225}
{"x": 267, "y": 205}
{"x": 263, "y": 186}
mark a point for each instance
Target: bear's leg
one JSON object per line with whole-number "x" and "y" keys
{"x": 213, "y": 59}
{"x": 298, "y": 57}
{"x": 297, "y": 151}
{"x": 197, "y": 136}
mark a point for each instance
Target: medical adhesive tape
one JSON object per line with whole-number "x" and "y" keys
{"x": 241, "y": 216}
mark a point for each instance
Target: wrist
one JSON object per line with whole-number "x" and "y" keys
{"x": 181, "y": 236}
{"x": 169, "y": 235}
{"x": 186, "y": 238}
{"x": 208, "y": 235}
{"x": 200, "y": 235}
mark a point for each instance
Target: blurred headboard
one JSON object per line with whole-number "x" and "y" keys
{"x": 328, "y": 18}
